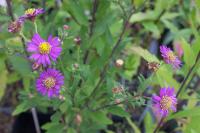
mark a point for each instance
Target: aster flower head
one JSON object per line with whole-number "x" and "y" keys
{"x": 50, "y": 82}
{"x": 31, "y": 13}
{"x": 44, "y": 51}
{"x": 165, "y": 102}
{"x": 169, "y": 57}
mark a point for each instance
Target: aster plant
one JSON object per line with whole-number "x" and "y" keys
{"x": 86, "y": 68}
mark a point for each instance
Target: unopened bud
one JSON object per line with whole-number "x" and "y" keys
{"x": 35, "y": 66}
{"x": 66, "y": 27}
{"x": 61, "y": 97}
{"x": 117, "y": 101}
{"x": 77, "y": 40}
{"x": 78, "y": 119}
{"x": 30, "y": 95}
{"x": 119, "y": 63}
{"x": 76, "y": 66}
{"x": 117, "y": 90}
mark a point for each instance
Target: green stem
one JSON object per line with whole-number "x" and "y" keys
{"x": 158, "y": 125}
{"x": 188, "y": 75}
{"x": 78, "y": 54}
{"x": 35, "y": 25}
{"x": 23, "y": 36}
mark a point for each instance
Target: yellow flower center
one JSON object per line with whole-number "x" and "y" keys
{"x": 44, "y": 48}
{"x": 30, "y": 11}
{"x": 171, "y": 56}
{"x": 49, "y": 82}
{"x": 166, "y": 103}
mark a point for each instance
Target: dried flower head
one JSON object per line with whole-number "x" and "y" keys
{"x": 117, "y": 90}
{"x": 169, "y": 57}
{"x": 153, "y": 66}
{"x": 44, "y": 51}
{"x": 15, "y": 26}
{"x": 50, "y": 82}
{"x": 165, "y": 102}
{"x": 31, "y": 13}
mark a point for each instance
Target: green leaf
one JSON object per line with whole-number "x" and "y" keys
{"x": 24, "y": 106}
{"x": 53, "y": 127}
{"x": 132, "y": 124}
{"x": 188, "y": 53}
{"x": 144, "y": 53}
{"x": 139, "y": 17}
{"x": 100, "y": 117}
{"x": 150, "y": 26}
{"x": 21, "y": 65}
{"x": 76, "y": 11}
{"x": 3, "y": 80}
{"x": 149, "y": 126}
{"x": 116, "y": 110}
{"x": 186, "y": 113}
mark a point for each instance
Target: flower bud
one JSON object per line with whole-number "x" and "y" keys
{"x": 78, "y": 119}
{"x": 76, "y": 66}
{"x": 66, "y": 27}
{"x": 117, "y": 101}
{"x": 119, "y": 63}
{"x": 77, "y": 40}
{"x": 35, "y": 66}
{"x": 61, "y": 97}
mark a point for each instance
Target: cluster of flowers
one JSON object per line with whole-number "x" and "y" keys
{"x": 43, "y": 52}
{"x": 166, "y": 101}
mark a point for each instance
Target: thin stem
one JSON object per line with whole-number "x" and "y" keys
{"x": 9, "y": 9}
{"x": 91, "y": 28}
{"x": 35, "y": 25}
{"x": 23, "y": 36}
{"x": 78, "y": 54}
{"x": 24, "y": 39}
{"x": 35, "y": 119}
{"x": 188, "y": 75}
{"x": 158, "y": 125}
{"x": 113, "y": 104}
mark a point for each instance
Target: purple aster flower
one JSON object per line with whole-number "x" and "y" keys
{"x": 44, "y": 51}
{"x": 50, "y": 82}
{"x": 165, "y": 102}
{"x": 169, "y": 57}
{"x": 31, "y": 13}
